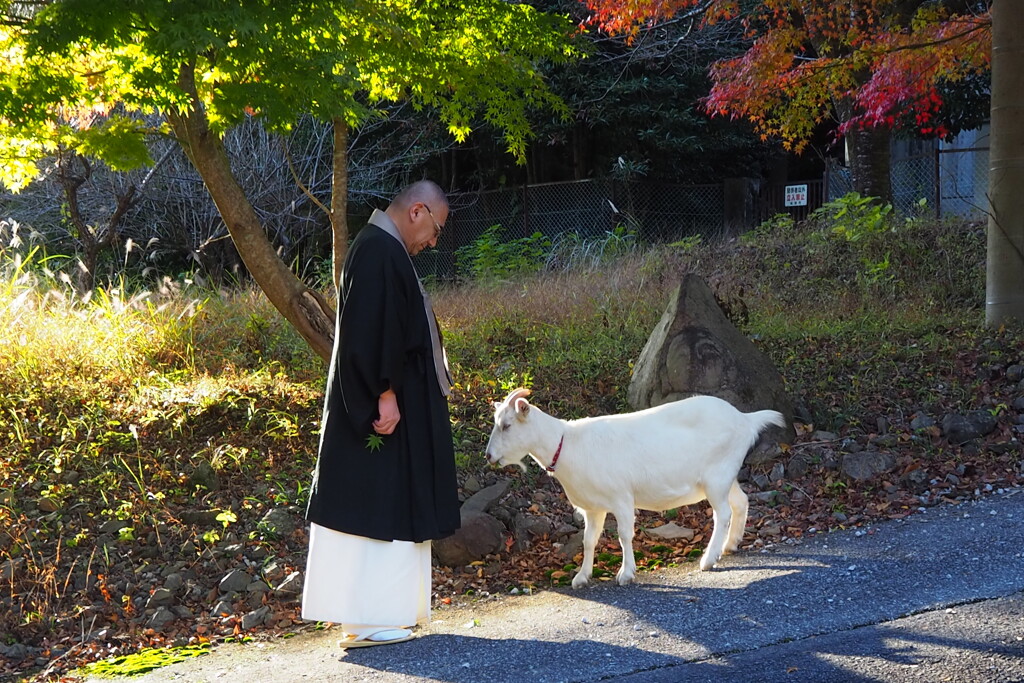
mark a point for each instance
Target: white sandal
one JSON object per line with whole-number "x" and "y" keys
{"x": 386, "y": 636}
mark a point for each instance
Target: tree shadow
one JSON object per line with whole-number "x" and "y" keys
{"x": 458, "y": 659}
{"x": 796, "y": 609}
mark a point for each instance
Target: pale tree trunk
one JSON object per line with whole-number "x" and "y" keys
{"x": 339, "y": 199}
{"x": 1004, "y": 300}
{"x": 304, "y": 308}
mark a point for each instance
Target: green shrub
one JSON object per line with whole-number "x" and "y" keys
{"x": 490, "y": 257}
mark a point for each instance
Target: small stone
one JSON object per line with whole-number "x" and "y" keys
{"x": 292, "y": 585}
{"x": 113, "y": 526}
{"x": 161, "y": 618}
{"x": 798, "y": 466}
{"x": 885, "y": 441}
{"x": 255, "y": 618}
{"x": 204, "y": 476}
{"x": 235, "y": 581}
{"x": 15, "y": 652}
{"x": 222, "y": 609}
{"x": 279, "y": 521}
{"x": 273, "y": 572}
{"x": 671, "y": 531}
{"x": 922, "y": 422}
{"x": 161, "y": 597}
{"x": 916, "y": 480}
{"x": 866, "y": 464}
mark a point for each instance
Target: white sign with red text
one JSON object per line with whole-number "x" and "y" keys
{"x": 796, "y": 195}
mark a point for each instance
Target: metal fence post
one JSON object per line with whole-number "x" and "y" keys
{"x": 526, "y": 210}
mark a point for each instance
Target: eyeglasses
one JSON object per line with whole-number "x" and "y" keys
{"x": 437, "y": 226}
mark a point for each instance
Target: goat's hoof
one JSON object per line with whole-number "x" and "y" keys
{"x": 707, "y": 564}
{"x": 580, "y": 581}
{"x": 623, "y": 579}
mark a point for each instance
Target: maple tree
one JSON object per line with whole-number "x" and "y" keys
{"x": 82, "y": 76}
{"x": 872, "y": 64}
{"x": 863, "y": 64}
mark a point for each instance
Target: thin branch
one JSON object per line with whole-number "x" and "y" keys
{"x": 298, "y": 181}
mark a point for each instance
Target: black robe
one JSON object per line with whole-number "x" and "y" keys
{"x": 406, "y": 489}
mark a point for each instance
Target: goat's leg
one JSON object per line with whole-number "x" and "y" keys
{"x": 722, "y": 519}
{"x": 593, "y": 526}
{"x": 625, "y": 519}
{"x": 739, "y": 504}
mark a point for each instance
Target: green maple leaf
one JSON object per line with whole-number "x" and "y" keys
{"x": 374, "y": 442}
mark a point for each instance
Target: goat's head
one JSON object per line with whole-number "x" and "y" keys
{"x": 512, "y": 438}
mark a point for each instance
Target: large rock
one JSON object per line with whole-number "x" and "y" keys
{"x": 694, "y": 349}
{"x": 960, "y": 429}
{"x": 480, "y": 535}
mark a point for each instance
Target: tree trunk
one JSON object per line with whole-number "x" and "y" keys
{"x": 92, "y": 237}
{"x": 869, "y": 159}
{"x": 868, "y": 156}
{"x": 339, "y": 199}
{"x": 1004, "y": 279}
{"x": 304, "y": 308}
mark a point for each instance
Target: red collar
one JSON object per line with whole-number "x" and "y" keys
{"x": 558, "y": 451}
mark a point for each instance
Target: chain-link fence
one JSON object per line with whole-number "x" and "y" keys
{"x": 950, "y": 181}
{"x": 588, "y": 209}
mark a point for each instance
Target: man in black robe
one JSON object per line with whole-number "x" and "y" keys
{"x": 385, "y": 473}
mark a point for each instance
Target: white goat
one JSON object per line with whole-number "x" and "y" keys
{"x": 675, "y": 454}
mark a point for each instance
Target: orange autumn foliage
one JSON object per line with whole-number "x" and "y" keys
{"x": 879, "y": 59}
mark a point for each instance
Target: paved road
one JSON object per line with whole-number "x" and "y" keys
{"x": 936, "y": 597}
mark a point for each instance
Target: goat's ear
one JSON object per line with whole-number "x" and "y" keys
{"x": 522, "y": 407}
{"x": 495, "y": 405}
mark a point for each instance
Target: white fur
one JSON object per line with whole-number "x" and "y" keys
{"x": 675, "y": 454}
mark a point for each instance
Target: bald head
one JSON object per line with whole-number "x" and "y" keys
{"x": 423, "y": 191}
{"x": 419, "y": 212}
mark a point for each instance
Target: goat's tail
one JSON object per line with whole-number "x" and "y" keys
{"x": 762, "y": 418}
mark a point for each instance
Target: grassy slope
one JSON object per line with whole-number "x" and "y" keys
{"x": 189, "y": 419}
